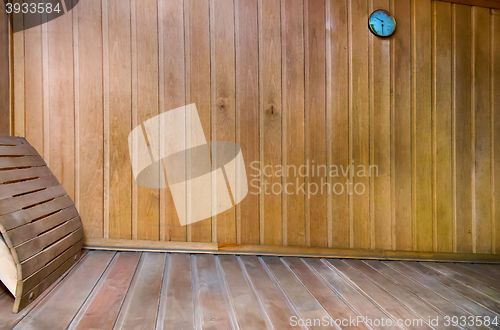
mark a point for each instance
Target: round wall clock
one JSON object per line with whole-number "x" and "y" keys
{"x": 382, "y": 23}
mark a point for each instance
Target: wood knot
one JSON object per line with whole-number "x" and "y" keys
{"x": 271, "y": 110}
{"x": 221, "y": 104}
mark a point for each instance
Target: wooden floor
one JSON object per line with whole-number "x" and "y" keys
{"x": 128, "y": 290}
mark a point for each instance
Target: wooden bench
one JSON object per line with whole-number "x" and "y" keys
{"x": 41, "y": 232}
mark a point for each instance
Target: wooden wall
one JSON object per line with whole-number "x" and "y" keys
{"x": 4, "y": 73}
{"x": 291, "y": 81}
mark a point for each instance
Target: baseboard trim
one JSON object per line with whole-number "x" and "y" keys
{"x": 267, "y": 250}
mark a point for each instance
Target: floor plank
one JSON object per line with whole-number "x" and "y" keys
{"x": 244, "y": 301}
{"x": 443, "y": 305}
{"x": 101, "y": 310}
{"x": 389, "y": 303}
{"x": 271, "y": 298}
{"x": 438, "y": 287}
{"x": 140, "y": 308}
{"x": 212, "y": 308}
{"x": 336, "y": 307}
{"x": 177, "y": 306}
{"x": 60, "y": 306}
{"x": 133, "y": 290}
{"x": 354, "y": 297}
{"x": 304, "y": 303}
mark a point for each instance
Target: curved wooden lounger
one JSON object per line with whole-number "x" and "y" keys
{"x": 41, "y": 232}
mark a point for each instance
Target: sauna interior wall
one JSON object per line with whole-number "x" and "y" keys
{"x": 4, "y": 74}
{"x": 291, "y": 81}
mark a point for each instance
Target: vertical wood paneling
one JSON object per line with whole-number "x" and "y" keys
{"x": 338, "y": 114}
{"x": 360, "y": 122}
{"x": 495, "y": 106}
{"x": 33, "y": 87}
{"x": 223, "y": 100}
{"x": 463, "y": 130}
{"x": 5, "y": 94}
{"x": 90, "y": 112}
{"x": 315, "y": 119}
{"x": 247, "y": 111}
{"x": 295, "y": 83}
{"x": 380, "y": 137}
{"x": 292, "y": 25}
{"x": 442, "y": 128}
{"x": 422, "y": 137}
{"x": 172, "y": 95}
{"x": 61, "y": 101}
{"x": 482, "y": 130}
{"x": 118, "y": 96}
{"x": 198, "y": 85}
{"x": 402, "y": 127}
{"x": 145, "y": 51}
{"x": 271, "y": 116}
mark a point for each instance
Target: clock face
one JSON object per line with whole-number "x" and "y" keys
{"x": 381, "y": 23}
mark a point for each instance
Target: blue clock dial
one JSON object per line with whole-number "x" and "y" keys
{"x": 382, "y": 23}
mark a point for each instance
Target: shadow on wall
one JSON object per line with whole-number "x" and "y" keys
{"x": 26, "y": 15}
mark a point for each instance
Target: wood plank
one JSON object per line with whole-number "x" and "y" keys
{"x": 12, "y": 204}
{"x": 38, "y": 261}
{"x": 59, "y": 307}
{"x": 198, "y": 72}
{"x": 482, "y": 130}
{"x": 29, "y": 231}
{"x": 18, "y": 188}
{"x": 271, "y": 298}
{"x": 387, "y": 301}
{"x": 315, "y": 120}
{"x": 39, "y": 243}
{"x": 20, "y": 162}
{"x": 102, "y": 308}
{"x": 337, "y": 283}
{"x": 271, "y": 117}
{"x": 292, "y": 34}
{"x": 17, "y": 94}
{"x": 10, "y": 319}
{"x": 5, "y": 95}
{"x": 118, "y": 98}
{"x": 444, "y": 304}
{"x": 10, "y": 176}
{"x": 171, "y": 29}
{"x": 140, "y": 308}
{"x": 442, "y": 127}
{"x": 33, "y": 86}
{"x": 462, "y": 124}
{"x": 495, "y": 74}
{"x": 422, "y": 124}
{"x": 177, "y": 305}
{"x": 145, "y": 106}
{"x": 469, "y": 292}
{"x": 61, "y": 152}
{"x": 90, "y": 139}
{"x": 338, "y": 112}
{"x": 470, "y": 276}
{"x": 247, "y": 111}
{"x": 359, "y": 122}
{"x": 212, "y": 310}
{"x": 332, "y": 302}
{"x": 380, "y": 131}
{"x": 14, "y": 221}
{"x": 482, "y": 3}
{"x": 39, "y": 282}
{"x": 223, "y": 100}
{"x": 18, "y": 150}
{"x": 449, "y": 293}
{"x": 302, "y": 301}
{"x": 412, "y": 301}
{"x": 243, "y": 299}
